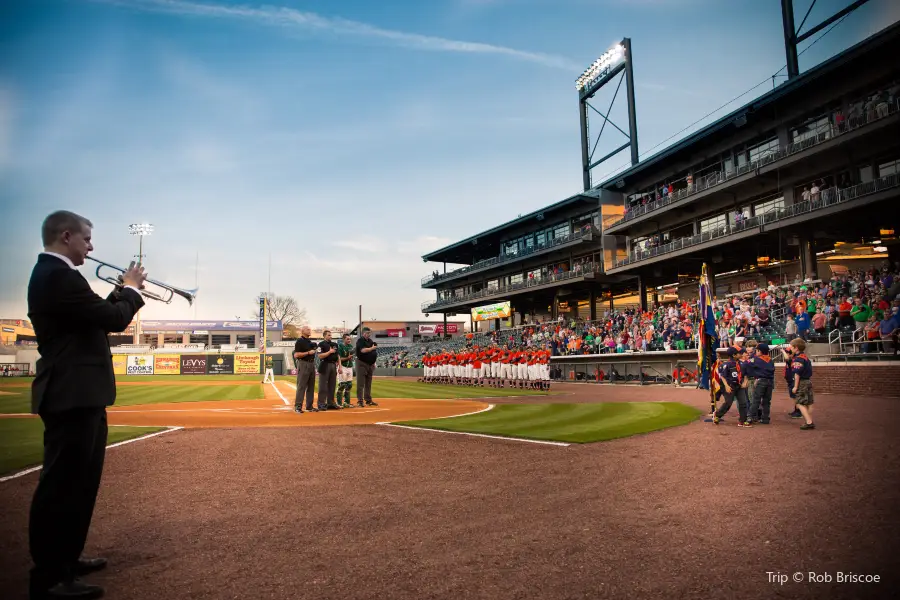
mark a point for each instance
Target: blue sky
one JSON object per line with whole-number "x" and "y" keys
{"x": 344, "y": 138}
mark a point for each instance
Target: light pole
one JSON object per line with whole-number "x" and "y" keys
{"x": 140, "y": 230}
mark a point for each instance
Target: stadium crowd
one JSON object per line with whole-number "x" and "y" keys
{"x": 862, "y": 305}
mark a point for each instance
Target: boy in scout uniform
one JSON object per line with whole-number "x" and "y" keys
{"x": 345, "y": 371}
{"x": 802, "y": 386}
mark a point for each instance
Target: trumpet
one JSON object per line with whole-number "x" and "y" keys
{"x": 167, "y": 295}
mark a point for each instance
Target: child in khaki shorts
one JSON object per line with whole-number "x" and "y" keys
{"x": 802, "y": 388}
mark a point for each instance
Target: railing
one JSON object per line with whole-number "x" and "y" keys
{"x": 527, "y": 283}
{"x": 499, "y": 260}
{"x": 828, "y": 197}
{"x": 719, "y": 177}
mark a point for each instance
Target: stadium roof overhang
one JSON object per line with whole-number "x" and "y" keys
{"x": 878, "y": 47}
{"x": 582, "y": 283}
{"x": 461, "y": 252}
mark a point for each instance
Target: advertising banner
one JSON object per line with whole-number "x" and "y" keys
{"x": 119, "y": 362}
{"x": 193, "y": 364}
{"x": 139, "y": 364}
{"x": 184, "y": 346}
{"x": 747, "y": 285}
{"x": 220, "y": 364}
{"x": 247, "y": 364}
{"x": 166, "y": 364}
{"x": 438, "y": 329}
{"x": 498, "y": 310}
{"x": 395, "y": 332}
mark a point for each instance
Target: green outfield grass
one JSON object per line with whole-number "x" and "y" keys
{"x": 578, "y": 423}
{"x": 18, "y": 399}
{"x": 21, "y": 442}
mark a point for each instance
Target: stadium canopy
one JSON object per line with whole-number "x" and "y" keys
{"x": 461, "y": 252}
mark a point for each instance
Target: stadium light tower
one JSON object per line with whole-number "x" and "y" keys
{"x": 602, "y": 71}
{"x": 140, "y": 230}
{"x": 792, "y": 35}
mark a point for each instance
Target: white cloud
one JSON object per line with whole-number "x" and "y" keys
{"x": 289, "y": 17}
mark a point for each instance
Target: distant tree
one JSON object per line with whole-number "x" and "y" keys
{"x": 284, "y": 309}
{"x": 291, "y": 332}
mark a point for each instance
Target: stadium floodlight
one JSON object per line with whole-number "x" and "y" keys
{"x": 603, "y": 65}
{"x": 603, "y": 71}
{"x": 140, "y": 229}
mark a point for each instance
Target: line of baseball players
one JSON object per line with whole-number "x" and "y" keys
{"x": 494, "y": 366}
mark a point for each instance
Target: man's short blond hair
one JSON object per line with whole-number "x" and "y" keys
{"x": 59, "y": 222}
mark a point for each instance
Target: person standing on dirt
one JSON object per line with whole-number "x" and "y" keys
{"x": 328, "y": 359}
{"x": 345, "y": 370}
{"x": 366, "y": 355}
{"x": 305, "y": 355}
{"x": 73, "y": 385}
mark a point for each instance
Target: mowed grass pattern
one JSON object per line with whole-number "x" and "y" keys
{"x": 18, "y": 399}
{"x": 576, "y": 423}
{"x": 21, "y": 444}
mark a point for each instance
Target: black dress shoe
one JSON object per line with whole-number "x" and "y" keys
{"x": 75, "y": 589}
{"x": 89, "y": 565}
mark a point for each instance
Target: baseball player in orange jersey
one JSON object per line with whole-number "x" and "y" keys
{"x": 523, "y": 368}
{"x": 495, "y": 365}
{"x": 504, "y": 367}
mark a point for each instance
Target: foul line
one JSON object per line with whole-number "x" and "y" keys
{"x": 482, "y": 435}
{"x": 117, "y": 444}
{"x": 280, "y": 395}
{"x": 489, "y": 407}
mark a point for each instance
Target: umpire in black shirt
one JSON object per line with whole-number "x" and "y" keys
{"x": 328, "y": 357}
{"x": 366, "y": 355}
{"x": 305, "y": 355}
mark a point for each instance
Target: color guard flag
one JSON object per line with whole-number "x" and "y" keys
{"x": 709, "y": 340}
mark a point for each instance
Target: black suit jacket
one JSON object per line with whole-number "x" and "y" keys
{"x": 71, "y": 324}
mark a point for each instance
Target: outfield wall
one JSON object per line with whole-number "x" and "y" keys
{"x": 240, "y": 363}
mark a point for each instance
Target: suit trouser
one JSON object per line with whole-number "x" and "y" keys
{"x": 63, "y": 503}
{"x": 306, "y": 384}
{"x": 327, "y": 382}
{"x": 364, "y": 373}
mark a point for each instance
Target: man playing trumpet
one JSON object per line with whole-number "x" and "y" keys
{"x": 73, "y": 386}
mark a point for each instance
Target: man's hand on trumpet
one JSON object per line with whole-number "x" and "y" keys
{"x": 134, "y": 276}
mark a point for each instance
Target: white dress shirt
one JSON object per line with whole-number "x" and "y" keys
{"x": 66, "y": 260}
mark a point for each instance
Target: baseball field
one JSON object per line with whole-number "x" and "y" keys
{"x": 221, "y": 491}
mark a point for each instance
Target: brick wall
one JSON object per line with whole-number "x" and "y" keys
{"x": 858, "y": 379}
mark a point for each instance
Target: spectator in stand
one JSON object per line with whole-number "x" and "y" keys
{"x": 890, "y": 329}
{"x": 844, "y": 317}
{"x": 818, "y": 322}
{"x": 790, "y": 329}
{"x": 803, "y": 325}
{"x": 860, "y": 313}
